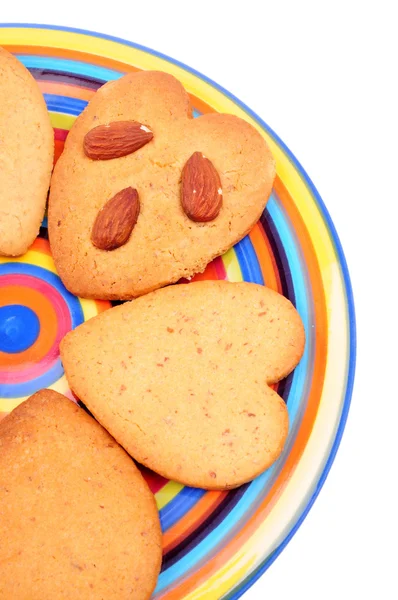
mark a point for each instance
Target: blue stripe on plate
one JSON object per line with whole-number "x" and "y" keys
{"x": 63, "y": 65}
{"x": 64, "y": 104}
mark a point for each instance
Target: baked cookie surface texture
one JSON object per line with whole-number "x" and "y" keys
{"x": 26, "y": 156}
{"x": 144, "y": 194}
{"x": 181, "y": 378}
{"x": 77, "y": 519}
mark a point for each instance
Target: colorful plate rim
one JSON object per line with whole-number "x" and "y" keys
{"x": 333, "y": 236}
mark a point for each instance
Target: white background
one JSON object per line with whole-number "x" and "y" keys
{"x": 323, "y": 75}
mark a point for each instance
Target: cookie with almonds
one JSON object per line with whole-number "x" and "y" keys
{"x": 199, "y": 186}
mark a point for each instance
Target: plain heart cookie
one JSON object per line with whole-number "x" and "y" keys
{"x": 144, "y": 194}
{"x": 77, "y": 519}
{"x": 26, "y": 156}
{"x": 181, "y": 378}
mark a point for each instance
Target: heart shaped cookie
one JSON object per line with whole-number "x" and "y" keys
{"x": 144, "y": 194}
{"x": 180, "y": 377}
{"x": 26, "y": 156}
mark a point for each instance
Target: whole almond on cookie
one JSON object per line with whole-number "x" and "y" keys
{"x": 114, "y": 223}
{"x": 201, "y": 192}
{"x": 116, "y": 139}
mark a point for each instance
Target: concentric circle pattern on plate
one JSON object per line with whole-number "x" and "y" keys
{"x": 215, "y": 543}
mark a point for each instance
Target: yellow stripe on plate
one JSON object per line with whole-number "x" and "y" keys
{"x": 62, "y": 121}
{"x": 89, "y": 308}
{"x": 33, "y": 257}
{"x": 167, "y": 493}
{"x": 231, "y": 266}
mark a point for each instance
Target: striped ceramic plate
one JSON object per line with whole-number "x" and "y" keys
{"x": 216, "y": 544}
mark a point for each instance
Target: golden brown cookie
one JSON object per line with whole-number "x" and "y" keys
{"x": 77, "y": 519}
{"x": 165, "y": 243}
{"x": 180, "y": 377}
{"x": 26, "y": 156}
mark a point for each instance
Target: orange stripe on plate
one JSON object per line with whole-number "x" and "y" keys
{"x": 209, "y": 273}
{"x": 102, "y": 305}
{"x": 265, "y": 257}
{"x": 200, "y": 105}
{"x": 41, "y": 245}
{"x": 58, "y": 149}
{"x": 42, "y": 307}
